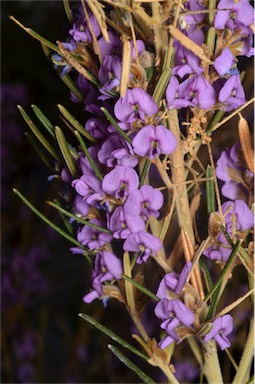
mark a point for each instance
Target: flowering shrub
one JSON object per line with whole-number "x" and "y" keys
{"x": 153, "y": 81}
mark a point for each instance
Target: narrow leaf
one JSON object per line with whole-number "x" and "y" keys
{"x": 76, "y": 218}
{"x": 44, "y": 120}
{"x": 68, "y": 10}
{"x": 129, "y": 288}
{"x": 113, "y": 122}
{"x": 71, "y": 85}
{"x": 87, "y": 154}
{"x": 38, "y": 134}
{"x": 223, "y": 272}
{"x": 112, "y": 335}
{"x": 63, "y": 217}
{"x": 146, "y": 379}
{"x": 75, "y": 123}
{"x": 38, "y": 150}
{"x": 52, "y": 225}
{"x": 210, "y": 190}
{"x": 141, "y": 288}
{"x": 144, "y": 172}
{"x": 66, "y": 151}
{"x": 161, "y": 85}
{"x": 35, "y": 35}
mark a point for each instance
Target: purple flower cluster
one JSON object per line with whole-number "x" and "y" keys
{"x": 170, "y": 309}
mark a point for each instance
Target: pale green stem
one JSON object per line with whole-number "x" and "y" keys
{"x": 247, "y": 357}
{"x": 212, "y": 368}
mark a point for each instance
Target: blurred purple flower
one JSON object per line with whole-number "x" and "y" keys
{"x": 91, "y": 237}
{"x": 97, "y": 128}
{"x": 144, "y": 201}
{"x": 113, "y": 47}
{"x": 222, "y": 327}
{"x": 106, "y": 268}
{"x": 122, "y": 224}
{"x": 81, "y": 31}
{"x": 153, "y": 141}
{"x": 231, "y": 168}
{"x": 224, "y": 62}
{"x": 109, "y": 75}
{"x": 173, "y": 313}
{"x": 173, "y": 282}
{"x": 234, "y": 15}
{"x": 136, "y": 104}
{"x": 144, "y": 243}
{"x": 232, "y": 93}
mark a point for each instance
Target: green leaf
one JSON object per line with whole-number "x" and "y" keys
{"x": 216, "y": 118}
{"x": 113, "y": 122}
{"x": 63, "y": 217}
{"x": 161, "y": 85}
{"x": 141, "y": 288}
{"x": 38, "y": 150}
{"x": 36, "y": 36}
{"x": 87, "y": 154}
{"x": 44, "y": 120}
{"x": 76, "y": 218}
{"x": 66, "y": 151}
{"x": 146, "y": 379}
{"x": 68, "y": 11}
{"x": 75, "y": 123}
{"x": 39, "y": 135}
{"x": 71, "y": 85}
{"x": 144, "y": 172}
{"x": 225, "y": 269}
{"x": 210, "y": 190}
{"x": 112, "y": 335}
{"x": 52, "y": 225}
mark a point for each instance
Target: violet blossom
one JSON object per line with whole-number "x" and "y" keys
{"x": 144, "y": 243}
{"x": 194, "y": 91}
{"x": 232, "y": 93}
{"x": 224, "y": 62}
{"x": 238, "y": 218}
{"x": 109, "y": 75}
{"x": 81, "y": 31}
{"x": 97, "y": 128}
{"x": 111, "y": 47}
{"x": 116, "y": 151}
{"x": 92, "y": 237}
{"x": 173, "y": 282}
{"x": 59, "y": 61}
{"x": 144, "y": 201}
{"x": 153, "y": 141}
{"x": 222, "y": 327}
{"x": 120, "y": 182}
{"x": 106, "y": 268}
{"x": 234, "y": 15}
{"x": 173, "y": 313}
{"x": 89, "y": 187}
{"x": 232, "y": 170}
{"x": 136, "y": 104}
{"x": 122, "y": 224}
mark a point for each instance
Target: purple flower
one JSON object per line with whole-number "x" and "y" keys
{"x": 116, "y": 151}
{"x": 109, "y": 75}
{"x": 238, "y": 179}
{"x": 173, "y": 281}
{"x": 152, "y": 141}
{"x": 232, "y": 94}
{"x": 120, "y": 182}
{"x": 173, "y": 313}
{"x": 89, "y": 187}
{"x": 238, "y": 218}
{"x": 234, "y": 15}
{"x": 186, "y": 62}
{"x": 81, "y": 31}
{"x": 222, "y": 327}
{"x": 93, "y": 238}
{"x": 106, "y": 268}
{"x": 113, "y": 47}
{"x": 97, "y": 128}
{"x": 144, "y": 243}
{"x": 195, "y": 91}
{"x": 81, "y": 206}
{"x": 59, "y": 61}
{"x": 89, "y": 93}
{"x": 144, "y": 201}
{"x": 122, "y": 224}
{"x": 136, "y": 104}
{"x": 224, "y": 62}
